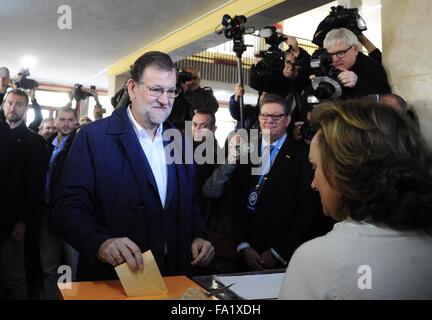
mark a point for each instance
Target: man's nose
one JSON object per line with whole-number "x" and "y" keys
{"x": 336, "y": 59}
{"x": 163, "y": 99}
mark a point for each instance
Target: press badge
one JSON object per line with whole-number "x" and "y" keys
{"x": 252, "y": 201}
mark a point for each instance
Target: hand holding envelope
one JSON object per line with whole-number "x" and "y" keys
{"x": 146, "y": 281}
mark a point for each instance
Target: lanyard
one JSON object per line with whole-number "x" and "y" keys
{"x": 268, "y": 164}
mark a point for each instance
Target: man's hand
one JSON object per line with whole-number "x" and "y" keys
{"x": 115, "y": 251}
{"x": 238, "y": 92}
{"x": 202, "y": 252}
{"x": 32, "y": 94}
{"x": 348, "y": 78}
{"x": 268, "y": 259}
{"x": 18, "y": 231}
{"x": 252, "y": 259}
{"x": 293, "y": 45}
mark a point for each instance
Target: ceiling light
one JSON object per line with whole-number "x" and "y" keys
{"x": 29, "y": 62}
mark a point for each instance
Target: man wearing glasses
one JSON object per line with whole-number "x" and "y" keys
{"x": 121, "y": 197}
{"x": 359, "y": 74}
{"x": 277, "y": 211}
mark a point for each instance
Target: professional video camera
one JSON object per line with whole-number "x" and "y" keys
{"x": 234, "y": 28}
{"x": 79, "y": 93}
{"x": 339, "y": 17}
{"x": 22, "y": 82}
{"x": 325, "y": 84}
{"x": 274, "y": 58}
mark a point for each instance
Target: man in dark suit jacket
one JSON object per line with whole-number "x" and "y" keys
{"x": 53, "y": 250}
{"x": 120, "y": 196}
{"x": 22, "y": 175}
{"x": 278, "y": 210}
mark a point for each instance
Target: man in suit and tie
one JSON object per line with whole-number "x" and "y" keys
{"x": 120, "y": 195}
{"x": 276, "y": 209}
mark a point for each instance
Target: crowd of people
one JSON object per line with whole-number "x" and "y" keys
{"x": 317, "y": 189}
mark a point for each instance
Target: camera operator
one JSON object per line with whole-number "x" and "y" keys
{"x": 182, "y": 110}
{"x": 359, "y": 74}
{"x": 282, "y": 78}
{"x": 270, "y": 76}
{"x": 199, "y": 98}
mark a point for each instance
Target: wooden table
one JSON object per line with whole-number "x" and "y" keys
{"x": 113, "y": 290}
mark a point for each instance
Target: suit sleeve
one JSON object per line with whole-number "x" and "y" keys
{"x": 75, "y": 216}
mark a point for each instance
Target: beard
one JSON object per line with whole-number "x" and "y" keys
{"x": 13, "y": 117}
{"x": 157, "y": 117}
{"x": 65, "y": 131}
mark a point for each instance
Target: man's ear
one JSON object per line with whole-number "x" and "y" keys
{"x": 356, "y": 50}
{"x": 288, "y": 121}
{"x": 131, "y": 88}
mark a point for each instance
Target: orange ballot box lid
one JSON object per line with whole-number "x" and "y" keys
{"x": 113, "y": 290}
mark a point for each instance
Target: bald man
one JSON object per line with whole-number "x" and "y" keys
{"x": 199, "y": 98}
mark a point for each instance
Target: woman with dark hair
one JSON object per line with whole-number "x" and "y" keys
{"x": 373, "y": 171}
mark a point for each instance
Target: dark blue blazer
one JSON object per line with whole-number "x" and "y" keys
{"x": 108, "y": 190}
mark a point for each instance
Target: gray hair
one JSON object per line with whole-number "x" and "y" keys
{"x": 341, "y": 35}
{"x": 45, "y": 121}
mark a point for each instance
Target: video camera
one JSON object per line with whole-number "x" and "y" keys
{"x": 79, "y": 93}
{"x": 22, "y": 82}
{"x": 234, "y": 28}
{"x": 325, "y": 84}
{"x": 339, "y": 17}
{"x": 273, "y": 60}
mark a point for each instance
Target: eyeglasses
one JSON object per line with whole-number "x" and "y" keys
{"x": 275, "y": 117}
{"x": 340, "y": 54}
{"x": 158, "y": 92}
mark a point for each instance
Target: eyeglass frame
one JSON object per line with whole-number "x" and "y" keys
{"x": 341, "y": 54}
{"x": 158, "y": 92}
{"x": 274, "y": 117}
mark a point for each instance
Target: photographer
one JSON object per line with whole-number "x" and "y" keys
{"x": 274, "y": 76}
{"x": 359, "y": 74}
{"x": 269, "y": 75}
{"x": 182, "y": 110}
{"x": 199, "y": 98}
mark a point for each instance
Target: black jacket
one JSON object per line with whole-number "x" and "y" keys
{"x": 23, "y": 178}
{"x": 372, "y": 78}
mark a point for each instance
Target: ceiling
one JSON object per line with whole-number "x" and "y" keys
{"x": 103, "y": 32}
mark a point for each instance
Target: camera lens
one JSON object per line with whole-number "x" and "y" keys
{"x": 325, "y": 90}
